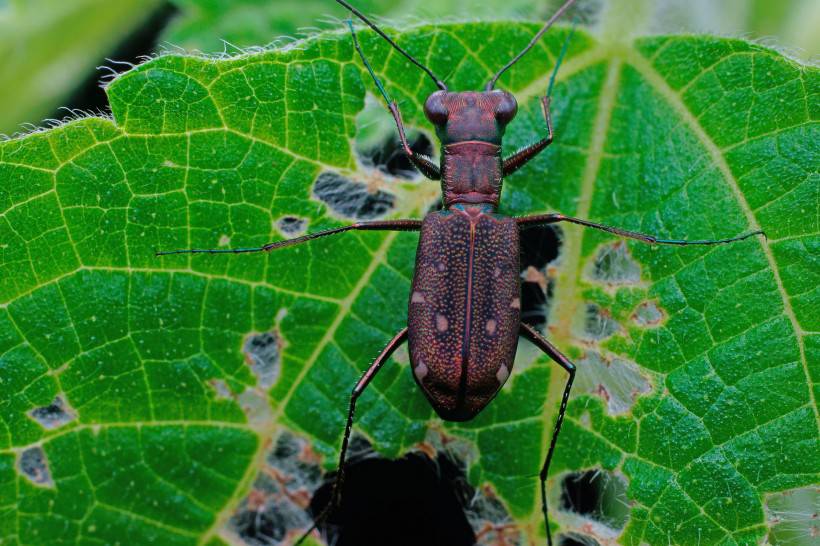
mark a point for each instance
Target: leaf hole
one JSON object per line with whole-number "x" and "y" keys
{"x": 794, "y": 516}
{"x": 291, "y": 226}
{"x": 648, "y": 315}
{"x": 617, "y": 381}
{"x": 33, "y": 464}
{"x": 597, "y": 495}
{"x": 55, "y": 415}
{"x": 351, "y": 199}
{"x": 414, "y": 500}
{"x": 614, "y": 265}
{"x": 275, "y": 510}
{"x": 388, "y": 157}
{"x": 540, "y": 247}
{"x": 598, "y": 323}
{"x": 263, "y": 355}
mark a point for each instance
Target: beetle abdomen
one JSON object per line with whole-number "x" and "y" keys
{"x": 464, "y": 309}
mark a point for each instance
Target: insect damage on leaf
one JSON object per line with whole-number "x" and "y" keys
{"x": 291, "y": 226}
{"x": 614, "y": 265}
{"x": 275, "y": 509}
{"x": 351, "y": 199}
{"x": 616, "y": 380}
{"x": 648, "y": 315}
{"x": 33, "y": 464}
{"x": 263, "y": 354}
{"x": 598, "y": 323}
{"x": 54, "y": 415}
{"x": 595, "y": 505}
{"x": 794, "y": 516}
{"x": 540, "y": 250}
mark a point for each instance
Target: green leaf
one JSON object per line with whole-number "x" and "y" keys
{"x": 143, "y": 399}
{"x": 49, "y": 47}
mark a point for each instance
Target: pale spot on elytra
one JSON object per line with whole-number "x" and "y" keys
{"x": 441, "y": 323}
{"x": 491, "y": 326}
{"x": 515, "y": 303}
{"x": 440, "y": 266}
{"x": 502, "y": 374}
{"x": 420, "y": 371}
{"x": 496, "y": 272}
{"x": 417, "y": 297}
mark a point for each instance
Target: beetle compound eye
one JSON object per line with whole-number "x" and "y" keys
{"x": 506, "y": 107}
{"x": 434, "y": 108}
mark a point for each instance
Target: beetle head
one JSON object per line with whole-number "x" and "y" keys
{"x": 471, "y": 115}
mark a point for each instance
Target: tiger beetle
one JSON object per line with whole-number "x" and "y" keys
{"x": 464, "y": 316}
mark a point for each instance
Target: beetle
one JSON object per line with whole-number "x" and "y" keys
{"x": 464, "y": 312}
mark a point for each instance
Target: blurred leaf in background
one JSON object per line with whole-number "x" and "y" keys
{"x": 206, "y": 23}
{"x": 791, "y": 24}
{"x": 49, "y": 47}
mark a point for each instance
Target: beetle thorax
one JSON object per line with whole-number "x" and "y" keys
{"x": 470, "y": 126}
{"x": 471, "y": 173}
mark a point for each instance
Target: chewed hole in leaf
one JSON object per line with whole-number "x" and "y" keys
{"x": 488, "y": 516}
{"x": 33, "y": 464}
{"x": 389, "y": 157}
{"x": 598, "y": 323}
{"x": 490, "y": 519}
{"x": 794, "y": 516}
{"x": 263, "y": 354}
{"x": 350, "y": 199}
{"x": 414, "y": 500}
{"x": 596, "y": 495}
{"x": 618, "y": 381}
{"x": 55, "y": 415}
{"x": 221, "y": 389}
{"x": 275, "y": 510}
{"x": 613, "y": 264}
{"x": 540, "y": 247}
{"x": 648, "y": 315}
{"x": 291, "y": 226}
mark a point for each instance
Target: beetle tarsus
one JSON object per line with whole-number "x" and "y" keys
{"x": 551, "y": 351}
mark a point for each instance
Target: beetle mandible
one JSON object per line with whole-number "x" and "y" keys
{"x": 464, "y": 316}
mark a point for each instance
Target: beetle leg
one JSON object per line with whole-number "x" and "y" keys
{"x": 376, "y": 225}
{"x": 421, "y": 162}
{"x": 544, "y": 219}
{"x": 524, "y": 155}
{"x": 551, "y": 351}
{"x": 361, "y": 385}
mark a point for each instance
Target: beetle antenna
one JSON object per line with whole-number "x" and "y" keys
{"x": 440, "y": 84}
{"x": 534, "y": 40}
{"x": 382, "y": 90}
{"x": 561, "y": 56}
